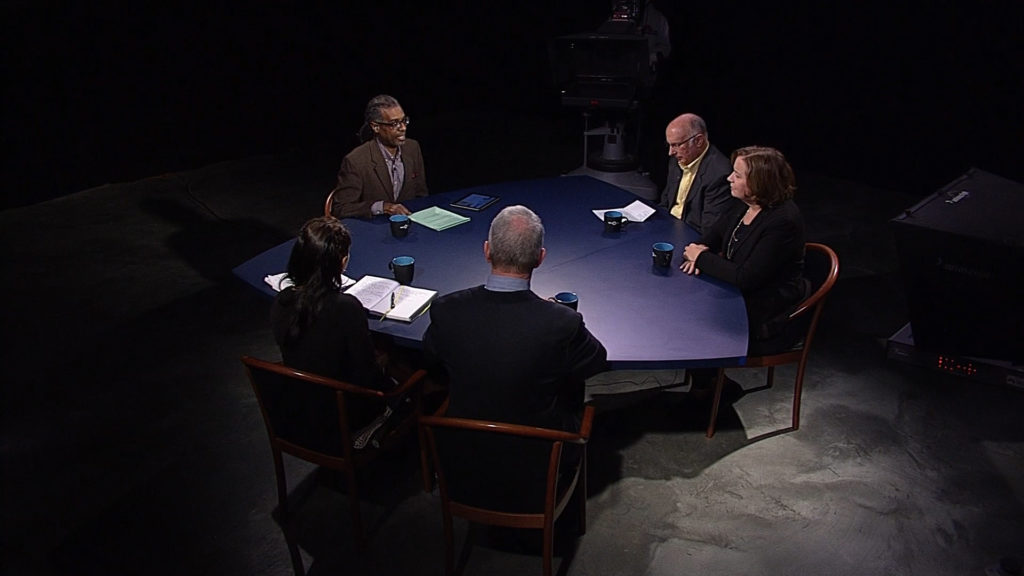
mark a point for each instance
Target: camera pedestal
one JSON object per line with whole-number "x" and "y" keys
{"x": 614, "y": 165}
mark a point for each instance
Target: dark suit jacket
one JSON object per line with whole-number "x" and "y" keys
{"x": 364, "y": 179}
{"x": 709, "y": 195}
{"x": 337, "y": 344}
{"x": 513, "y": 356}
{"x": 767, "y": 264}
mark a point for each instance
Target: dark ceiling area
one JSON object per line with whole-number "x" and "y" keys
{"x": 897, "y": 98}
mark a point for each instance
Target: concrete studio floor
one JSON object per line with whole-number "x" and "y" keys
{"x": 132, "y": 443}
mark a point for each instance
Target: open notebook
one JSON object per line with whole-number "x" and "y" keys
{"x": 389, "y": 299}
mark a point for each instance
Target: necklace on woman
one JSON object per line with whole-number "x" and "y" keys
{"x": 735, "y": 238}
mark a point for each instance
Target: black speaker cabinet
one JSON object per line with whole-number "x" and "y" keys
{"x": 961, "y": 255}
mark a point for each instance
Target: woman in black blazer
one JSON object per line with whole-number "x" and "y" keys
{"x": 318, "y": 327}
{"x": 758, "y": 246}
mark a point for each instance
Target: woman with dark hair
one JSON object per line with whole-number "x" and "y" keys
{"x": 758, "y": 246}
{"x": 319, "y": 328}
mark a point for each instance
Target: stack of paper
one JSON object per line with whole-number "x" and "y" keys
{"x": 278, "y": 281}
{"x": 438, "y": 218}
{"x": 635, "y": 212}
{"x": 281, "y": 281}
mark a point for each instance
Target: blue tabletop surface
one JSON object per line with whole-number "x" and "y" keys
{"x": 646, "y": 318}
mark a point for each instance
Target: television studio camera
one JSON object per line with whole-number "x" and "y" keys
{"x": 608, "y": 74}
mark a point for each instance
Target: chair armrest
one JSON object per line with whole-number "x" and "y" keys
{"x": 411, "y": 382}
{"x": 404, "y": 388}
{"x": 513, "y": 429}
{"x": 281, "y": 369}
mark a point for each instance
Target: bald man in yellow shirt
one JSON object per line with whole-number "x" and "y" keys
{"x": 696, "y": 190}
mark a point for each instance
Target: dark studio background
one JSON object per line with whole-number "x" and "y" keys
{"x": 900, "y": 97}
{"x": 130, "y": 442}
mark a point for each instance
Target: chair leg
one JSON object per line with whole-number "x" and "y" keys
{"x": 719, "y": 385}
{"x": 549, "y": 545}
{"x": 428, "y": 484}
{"x": 581, "y": 494}
{"x": 282, "y": 486}
{"x": 282, "y": 508}
{"x": 771, "y": 376}
{"x": 294, "y": 553}
{"x": 798, "y": 390}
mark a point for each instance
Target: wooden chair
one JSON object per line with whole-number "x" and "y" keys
{"x": 328, "y": 203}
{"x": 821, "y": 267}
{"x": 470, "y": 488}
{"x": 312, "y": 417}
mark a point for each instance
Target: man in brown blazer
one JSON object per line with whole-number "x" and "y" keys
{"x": 385, "y": 170}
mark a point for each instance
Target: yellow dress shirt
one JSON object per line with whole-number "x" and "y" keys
{"x": 684, "y": 184}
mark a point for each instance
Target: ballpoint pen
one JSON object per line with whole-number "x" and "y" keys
{"x": 385, "y": 314}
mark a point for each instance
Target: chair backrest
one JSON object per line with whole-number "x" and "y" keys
{"x": 328, "y": 203}
{"x": 507, "y": 468}
{"x": 821, "y": 268}
{"x": 308, "y": 414}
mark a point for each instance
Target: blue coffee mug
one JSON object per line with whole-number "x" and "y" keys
{"x": 570, "y": 299}
{"x": 614, "y": 221}
{"x": 399, "y": 225}
{"x": 662, "y": 254}
{"x": 404, "y": 267}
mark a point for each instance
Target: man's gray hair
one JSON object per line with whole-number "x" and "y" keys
{"x": 376, "y": 104}
{"x": 698, "y": 126}
{"x": 516, "y": 239}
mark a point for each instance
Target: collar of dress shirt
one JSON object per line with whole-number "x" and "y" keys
{"x": 387, "y": 155}
{"x": 696, "y": 161}
{"x": 497, "y": 283}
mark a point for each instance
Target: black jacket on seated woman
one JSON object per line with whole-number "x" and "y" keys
{"x": 336, "y": 343}
{"x": 322, "y": 330}
{"x": 759, "y": 247}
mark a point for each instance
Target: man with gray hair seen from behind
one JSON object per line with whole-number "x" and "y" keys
{"x": 510, "y": 355}
{"x": 385, "y": 170}
{"x": 696, "y": 189}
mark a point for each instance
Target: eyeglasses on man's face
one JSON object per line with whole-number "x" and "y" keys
{"x": 394, "y": 124}
{"x": 677, "y": 145}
